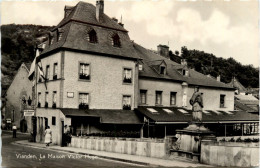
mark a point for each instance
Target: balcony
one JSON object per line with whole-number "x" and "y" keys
{"x": 83, "y": 106}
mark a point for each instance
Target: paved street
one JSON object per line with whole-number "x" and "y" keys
{"x": 23, "y": 156}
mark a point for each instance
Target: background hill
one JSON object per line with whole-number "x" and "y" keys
{"x": 207, "y": 63}
{"x": 18, "y": 43}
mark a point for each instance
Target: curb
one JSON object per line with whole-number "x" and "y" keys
{"x": 88, "y": 154}
{"x": 25, "y": 133}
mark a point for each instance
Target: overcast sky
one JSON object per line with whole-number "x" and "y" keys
{"x": 224, "y": 28}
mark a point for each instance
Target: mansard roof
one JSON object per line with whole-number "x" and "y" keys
{"x": 75, "y": 29}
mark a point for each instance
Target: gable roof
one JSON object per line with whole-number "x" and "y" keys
{"x": 236, "y": 84}
{"x": 194, "y": 78}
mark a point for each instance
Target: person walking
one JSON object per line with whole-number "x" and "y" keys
{"x": 14, "y": 131}
{"x": 48, "y": 136}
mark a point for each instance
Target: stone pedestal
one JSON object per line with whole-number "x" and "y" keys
{"x": 190, "y": 141}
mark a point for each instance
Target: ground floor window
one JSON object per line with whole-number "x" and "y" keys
{"x": 126, "y": 102}
{"x": 83, "y": 100}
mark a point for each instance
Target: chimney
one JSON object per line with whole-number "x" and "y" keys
{"x": 163, "y": 50}
{"x": 67, "y": 10}
{"x": 184, "y": 62}
{"x": 218, "y": 78}
{"x": 99, "y": 9}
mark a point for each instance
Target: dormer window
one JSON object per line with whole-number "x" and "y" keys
{"x": 116, "y": 40}
{"x": 140, "y": 67}
{"x": 162, "y": 70}
{"x": 92, "y": 36}
{"x": 185, "y": 72}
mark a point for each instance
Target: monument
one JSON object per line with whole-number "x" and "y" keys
{"x": 190, "y": 138}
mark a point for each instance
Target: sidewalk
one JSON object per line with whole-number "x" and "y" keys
{"x": 116, "y": 156}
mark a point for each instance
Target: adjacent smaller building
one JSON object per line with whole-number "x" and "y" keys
{"x": 19, "y": 98}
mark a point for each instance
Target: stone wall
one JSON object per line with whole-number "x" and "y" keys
{"x": 130, "y": 146}
{"x": 230, "y": 154}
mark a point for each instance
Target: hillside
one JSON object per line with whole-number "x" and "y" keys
{"x": 18, "y": 43}
{"x": 227, "y": 68}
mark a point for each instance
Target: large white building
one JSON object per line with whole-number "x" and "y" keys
{"x": 98, "y": 80}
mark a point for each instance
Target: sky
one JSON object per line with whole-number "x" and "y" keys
{"x": 221, "y": 27}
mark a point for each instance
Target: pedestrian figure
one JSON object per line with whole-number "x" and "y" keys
{"x": 14, "y": 131}
{"x": 48, "y": 136}
{"x": 67, "y": 135}
{"x": 197, "y": 104}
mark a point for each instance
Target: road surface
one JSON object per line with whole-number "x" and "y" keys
{"x": 25, "y": 156}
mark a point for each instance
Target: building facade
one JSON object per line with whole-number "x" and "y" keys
{"x": 95, "y": 79}
{"x": 19, "y": 98}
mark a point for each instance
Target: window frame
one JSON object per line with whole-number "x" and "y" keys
{"x": 158, "y": 91}
{"x": 171, "y": 93}
{"x": 54, "y": 93}
{"x": 46, "y": 100}
{"x": 39, "y": 99}
{"x": 164, "y": 70}
{"x": 126, "y": 95}
{"x": 53, "y": 120}
{"x": 86, "y": 104}
{"x": 118, "y": 42}
{"x": 53, "y": 75}
{"x": 145, "y": 94}
{"x": 48, "y": 73}
{"x": 224, "y": 100}
{"x": 86, "y": 63}
{"x": 123, "y": 75}
{"x": 95, "y": 37}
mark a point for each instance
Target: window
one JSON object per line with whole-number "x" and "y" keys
{"x": 140, "y": 67}
{"x": 46, "y": 99}
{"x": 47, "y": 72}
{"x": 183, "y": 72}
{"x": 158, "y": 97}
{"x": 54, "y": 99}
{"x": 83, "y": 100}
{"x": 143, "y": 96}
{"x": 59, "y": 36}
{"x": 53, "y": 121}
{"x": 92, "y": 36}
{"x": 55, "y": 70}
{"x": 173, "y": 98}
{"x": 116, "y": 41}
{"x": 51, "y": 40}
{"x": 39, "y": 99}
{"x": 127, "y": 78}
{"x": 162, "y": 70}
{"x": 126, "y": 102}
{"x": 84, "y": 71}
{"x": 222, "y": 101}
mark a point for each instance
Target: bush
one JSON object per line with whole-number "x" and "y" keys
{"x": 247, "y": 140}
{"x": 232, "y": 140}
{"x": 223, "y": 140}
{"x": 239, "y": 140}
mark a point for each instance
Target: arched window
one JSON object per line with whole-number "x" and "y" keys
{"x": 116, "y": 40}
{"x": 92, "y": 36}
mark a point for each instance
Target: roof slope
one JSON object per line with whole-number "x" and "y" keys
{"x": 236, "y": 84}
{"x": 86, "y": 12}
{"x": 210, "y": 117}
{"x": 76, "y": 26}
{"x": 106, "y": 116}
{"x": 195, "y": 78}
